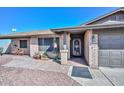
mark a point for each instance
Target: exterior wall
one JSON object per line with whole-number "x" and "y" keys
{"x": 68, "y": 44}
{"x": 33, "y": 46}
{"x": 17, "y": 43}
{"x": 86, "y": 45}
{"x": 90, "y": 50}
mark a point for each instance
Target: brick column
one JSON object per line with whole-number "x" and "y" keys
{"x": 33, "y": 46}
{"x": 65, "y": 44}
{"x": 93, "y": 50}
{"x": 61, "y": 42}
{"x": 93, "y": 57}
{"x": 64, "y": 56}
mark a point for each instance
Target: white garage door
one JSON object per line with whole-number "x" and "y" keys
{"x": 111, "y": 58}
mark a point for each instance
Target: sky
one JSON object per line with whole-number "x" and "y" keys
{"x": 26, "y": 19}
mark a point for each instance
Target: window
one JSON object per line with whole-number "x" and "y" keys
{"x": 23, "y": 43}
{"x": 47, "y": 44}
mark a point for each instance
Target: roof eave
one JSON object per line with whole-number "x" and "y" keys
{"x": 88, "y": 27}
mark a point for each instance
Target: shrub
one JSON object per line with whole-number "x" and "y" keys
{"x": 44, "y": 55}
{"x": 37, "y": 56}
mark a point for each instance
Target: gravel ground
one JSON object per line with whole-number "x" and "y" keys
{"x": 26, "y": 77}
{"x": 11, "y": 76}
{"x": 5, "y": 59}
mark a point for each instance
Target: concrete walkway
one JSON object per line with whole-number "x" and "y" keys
{"x": 114, "y": 75}
{"x": 98, "y": 79}
{"x": 104, "y": 76}
{"x": 77, "y": 62}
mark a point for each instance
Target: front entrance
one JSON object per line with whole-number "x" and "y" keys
{"x": 76, "y": 48}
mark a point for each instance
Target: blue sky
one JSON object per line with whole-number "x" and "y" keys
{"x": 29, "y": 19}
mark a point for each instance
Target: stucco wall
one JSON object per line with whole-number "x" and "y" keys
{"x": 86, "y": 45}
{"x": 15, "y": 45}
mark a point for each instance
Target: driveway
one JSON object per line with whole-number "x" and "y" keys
{"x": 114, "y": 75}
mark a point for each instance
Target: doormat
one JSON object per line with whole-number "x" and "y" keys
{"x": 82, "y": 72}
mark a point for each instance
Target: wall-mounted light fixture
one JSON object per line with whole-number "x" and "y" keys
{"x": 94, "y": 39}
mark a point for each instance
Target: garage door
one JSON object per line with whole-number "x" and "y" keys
{"x": 111, "y": 41}
{"x": 111, "y": 45}
{"x": 111, "y": 58}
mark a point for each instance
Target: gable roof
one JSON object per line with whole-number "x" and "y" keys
{"x": 103, "y": 16}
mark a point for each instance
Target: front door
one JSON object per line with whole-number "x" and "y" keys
{"x": 76, "y": 47}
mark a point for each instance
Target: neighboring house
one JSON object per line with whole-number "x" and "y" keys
{"x": 100, "y": 41}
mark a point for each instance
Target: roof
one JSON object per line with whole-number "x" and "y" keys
{"x": 88, "y": 27}
{"x": 103, "y": 16}
{"x": 27, "y": 34}
{"x": 68, "y": 29}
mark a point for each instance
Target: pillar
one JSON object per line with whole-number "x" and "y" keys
{"x": 33, "y": 46}
{"x": 93, "y": 50}
{"x": 68, "y": 44}
{"x": 64, "y": 56}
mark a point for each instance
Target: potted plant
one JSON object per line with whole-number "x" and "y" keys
{"x": 37, "y": 56}
{"x": 44, "y": 56}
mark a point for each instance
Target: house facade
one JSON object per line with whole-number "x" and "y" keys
{"x": 100, "y": 41}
